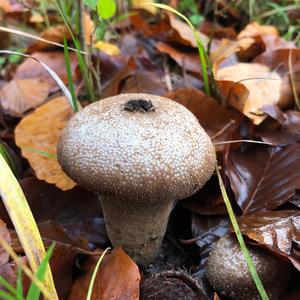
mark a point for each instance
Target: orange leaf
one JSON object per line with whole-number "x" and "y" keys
{"x": 254, "y": 29}
{"x": 41, "y": 130}
{"x": 118, "y": 278}
{"x": 20, "y": 95}
{"x": 54, "y": 34}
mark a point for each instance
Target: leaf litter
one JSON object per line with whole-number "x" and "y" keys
{"x": 153, "y": 52}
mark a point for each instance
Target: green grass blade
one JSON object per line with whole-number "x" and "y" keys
{"x": 34, "y": 292}
{"x": 7, "y": 285}
{"x": 82, "y": 65}
{"x": 69, "y": 75}
{"x": 92, "y": 282}
{"x": 200, "y": 46}
{"x": 241, "y": 241}
{"x": 19, "y": 285}
{"x": 43, "y": 153}
{"x": 6, "y": 296}
{"x": 8, "y": 158}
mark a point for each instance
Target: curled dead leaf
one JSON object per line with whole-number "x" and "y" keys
{"x": 264, "y": 87}
{"x": 279, "y": 231}
{"x": 20, "y": 95}
{"x": 41, "y": 130}
{"x": 225, "y": 49}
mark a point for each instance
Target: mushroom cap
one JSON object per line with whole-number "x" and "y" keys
{"x": 161, "y": 154}
{"x": 228, "y": 272}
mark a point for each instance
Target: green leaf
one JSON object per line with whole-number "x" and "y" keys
{"x": 34, "y": 291}
{"x": 90, "y": 3}
{"x": 106, "y": 8}
{"x": 6, "y": 296}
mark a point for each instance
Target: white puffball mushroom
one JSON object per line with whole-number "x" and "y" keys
{"x": 228, "y": 273}
{"x": 140, "y": 153}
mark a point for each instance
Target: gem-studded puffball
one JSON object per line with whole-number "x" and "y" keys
{"x": 228, "y": 272}
{"x": 161, "y": 154}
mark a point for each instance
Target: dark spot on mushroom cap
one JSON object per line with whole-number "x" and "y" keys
{"x": 140, "y": 105}
{"x": 228, "y": 272}
{"x": 163, "y": 155}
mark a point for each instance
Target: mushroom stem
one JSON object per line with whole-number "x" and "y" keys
{"x": 137, "y": 226}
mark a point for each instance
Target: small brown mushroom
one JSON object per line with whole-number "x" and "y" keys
{"x": 140, "y": 153}
{"x": 228, "y": 272}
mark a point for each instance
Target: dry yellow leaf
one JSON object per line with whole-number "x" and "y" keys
{"x": 144, "y": 4}
{"x": 262, "y": 83}
{"x": 107, "y": 48}
{"x": 41, "y": 130}
{"x": 20, "y": 95}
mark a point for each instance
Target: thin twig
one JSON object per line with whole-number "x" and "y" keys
{"x": 243, "y": 141}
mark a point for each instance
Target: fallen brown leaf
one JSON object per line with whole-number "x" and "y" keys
{"x": 41, "y": 130}
{"x": 118, "y": 278}
{"x": 55, "y": 34}
{"x": 187, "y": 59}
{"x": 169, "y": 29}
{"x": 279, "y": 60}
{"x": 20, "y": 95}
{"x": 225, "y": 49}
{"x": 7, "y": 269}
{"x": 264, "y": 87}
{"x": 220, "y": 126}
{"x": 264, "y": 179}
{"x": 279, "y": 231}
{"x": 254, "y": 29}
{"x": 54, "y": 60}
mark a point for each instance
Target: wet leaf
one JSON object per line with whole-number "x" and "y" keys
{"x": 41, "y": 130}
{"x": 279, "y": 231}
{"x": 264, "y": 179}
{"x": 18, "y": 96}
{"x": 259, "y": 80}
{"x": 118, "y": 278}
{"x": 55, "y": 60}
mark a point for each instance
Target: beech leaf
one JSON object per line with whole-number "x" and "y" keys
{"x": 263, "y": 179}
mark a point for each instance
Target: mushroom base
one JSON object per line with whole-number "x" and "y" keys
{"x": 138, "y": 227}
